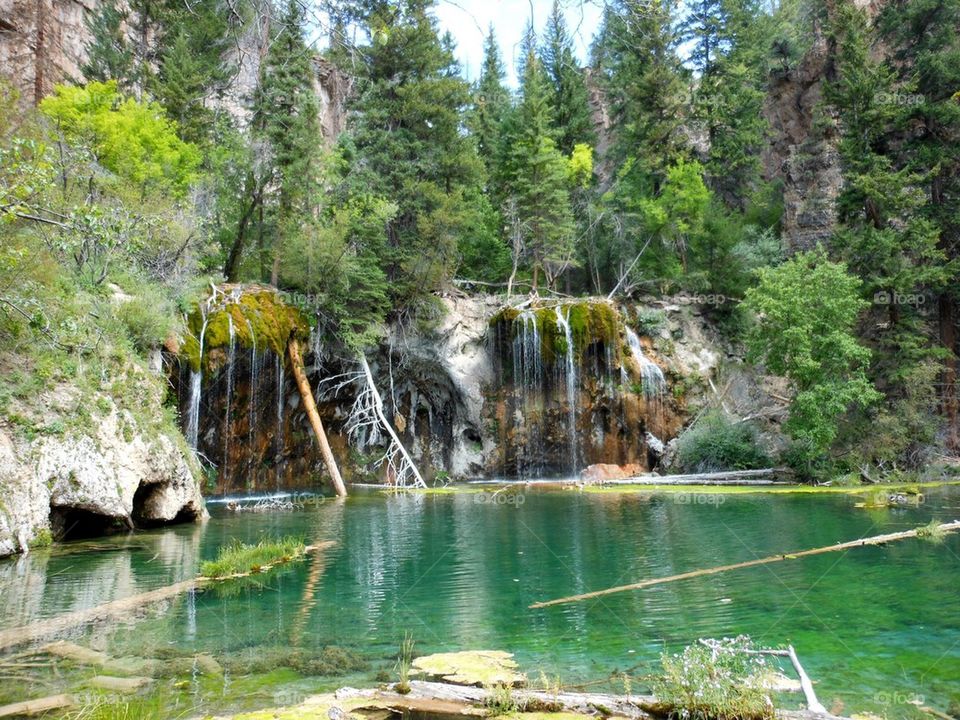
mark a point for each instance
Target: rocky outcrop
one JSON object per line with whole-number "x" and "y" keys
{"x": 72, "y": 485}
{"x": 43, "y": 43}
{"x": 483, "y": 392}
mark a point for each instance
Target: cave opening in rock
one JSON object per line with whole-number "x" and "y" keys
{"x": 70, "y": 523}
{"x": 147, "y": 504}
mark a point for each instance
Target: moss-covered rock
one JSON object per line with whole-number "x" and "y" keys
{"x": 258, "y": 314}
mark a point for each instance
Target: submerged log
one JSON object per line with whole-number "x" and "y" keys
{"x": 849, "y": 545}
{"x": 117, "y": 608}
{"x": 39, "y": 706}
{"x": 306, "y": 394}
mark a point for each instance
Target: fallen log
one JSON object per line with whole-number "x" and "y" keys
{"x": 862, "y": 542}
{"x": 38, "y": 706}
{"x": 732, "y": 477}
{"x": 43, "y": 628}
{"x": 634, "y": 707}
{"x": 310, "y": 406}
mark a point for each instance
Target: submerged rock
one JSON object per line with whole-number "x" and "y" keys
{"x": 478, "y": 667}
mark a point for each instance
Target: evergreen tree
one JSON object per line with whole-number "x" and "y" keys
{"x": 406, "y": 144}
{"x": 537, "y": 179}
{"x": 491, "y": 101}
{"x": 729, "y": 40}
{"x": 572, "y": 122}
{"x": 286, "y": 118}
{"x": 926, "y": 58}
{"x": 109, "y": 56}
{"x": 191, "y": 67}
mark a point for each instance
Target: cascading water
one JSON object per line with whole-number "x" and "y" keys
{"x": 231, "y": 362}
{"x": 528, "y": 381}
{"x": 196, "y": 391}
{"x": 570, "y": 372}
{"x": 278, "y": 446}
{"x": 654, "y": 383}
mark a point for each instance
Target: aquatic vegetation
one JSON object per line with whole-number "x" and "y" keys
{"x": 500, "y": 700}
{"x": 715, "y": 682}
{"x": 238, "y": 557}
{"x": 149, "y": 707}
{"x": 932, "y": 532}
{"x": 404, "y": 663}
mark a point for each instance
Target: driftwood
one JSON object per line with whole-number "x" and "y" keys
{"x": 116, "y": 608}
{"x": 634, "y": 707}
{"x": 862, "y": 542}
{"x": 38, "y": 706}
{"x": 813, "y": 704}
{"x": 306, "y": 394}
{"x": 727, "y": 477}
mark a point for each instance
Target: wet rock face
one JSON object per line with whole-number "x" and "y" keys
{"x": 69, "y": 487}
{"x": 485, "y": 393}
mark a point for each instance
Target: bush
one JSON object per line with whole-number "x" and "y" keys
{"x": 148, "y": 318}
{"x": 717, "y": 681}
{"x": 715, "y": 442}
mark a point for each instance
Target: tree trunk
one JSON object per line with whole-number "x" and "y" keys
{"x": 948, "y": 339}
{"x": 306, "y": 394}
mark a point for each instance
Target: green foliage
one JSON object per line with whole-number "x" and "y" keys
{"x": 404, "y": 663}
{"x": 807, "y": 309}
{"x": 720, "y": 682}
{"x": 109, "y": 55}
{"x": 149, "y": 317}
{"x": 715, "y": 442}
{"x": 240, "y": 558}
{"x": 134, "y": 140}
{"x": 570, "y": 109}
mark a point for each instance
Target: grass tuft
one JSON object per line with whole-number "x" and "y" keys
{"x": 932, "y": 532}
{"x": 240, "y": 558}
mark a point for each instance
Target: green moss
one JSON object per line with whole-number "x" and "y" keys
{"x": 42, "y": 539}
{"x": 259, "y": 316}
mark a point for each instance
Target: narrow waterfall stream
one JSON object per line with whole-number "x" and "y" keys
{"x": 654, "y": 382}
{"x": 570, "y": 372}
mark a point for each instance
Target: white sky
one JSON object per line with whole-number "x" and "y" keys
{"x": 468, "y": 21}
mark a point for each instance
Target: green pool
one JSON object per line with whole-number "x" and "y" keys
{"x": 878, "y": 628}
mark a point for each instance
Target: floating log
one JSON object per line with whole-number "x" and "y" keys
{"x": 44, "y": 628}
{"x": 38, "y": 706}
{"x": 862, "y": 542}
{"x": 306, "y": 394}
{"x": 726, "y": 477}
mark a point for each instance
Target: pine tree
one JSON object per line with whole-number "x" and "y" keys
{"x": 728, "y": 54}
{"x": 923, "y": 35}
{"x": 572, "y": 122}
{"x": 491, "y": 100}
{"x": 191, "y": 66}
{"x": 536, "y": 177}
{"x": 406, "y": 144}
{"x": 109, "y": 56}
{"x": 286, "y": 117}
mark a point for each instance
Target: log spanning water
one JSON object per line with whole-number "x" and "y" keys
{"x": 116, "y": 608}
{"x": 849, "y": 545}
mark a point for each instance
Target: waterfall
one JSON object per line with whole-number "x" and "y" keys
{"x": 196, "y": 383}
{"x": 254, "y": 376}
{"x": 654, "y": 383}
{"x": 193, "y": 414}
{"x": 280, "y": 381}
{"x": 528, "y": 379}
{"x": 563, "y": 321}
{"x": 231, "y": 360}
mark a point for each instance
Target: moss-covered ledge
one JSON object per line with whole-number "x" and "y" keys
{"x": 259, "y": 317}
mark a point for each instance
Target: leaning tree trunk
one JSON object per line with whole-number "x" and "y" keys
{"x": 306, "y": 394}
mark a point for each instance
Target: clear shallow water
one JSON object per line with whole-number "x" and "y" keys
{"x": 458, "y": 572}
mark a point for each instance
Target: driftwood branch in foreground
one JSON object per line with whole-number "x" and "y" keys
{"x": 875, "y": 540}
{"x": 44, "y": 628}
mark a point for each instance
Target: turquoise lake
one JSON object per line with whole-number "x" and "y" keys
{"x": 878, "y": 628}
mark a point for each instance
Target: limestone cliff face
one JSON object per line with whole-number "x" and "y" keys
{"x": 78, "y": 485}
{"x": 43, "y": 42}
{"x": 802, "y": 152}
{"x": 486, "y": 392}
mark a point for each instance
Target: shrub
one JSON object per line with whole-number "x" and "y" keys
{"x": 715, "y": 442}
{"x": 716, "y": 681}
